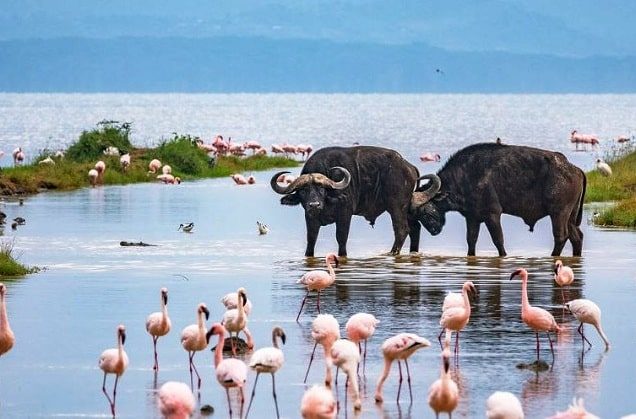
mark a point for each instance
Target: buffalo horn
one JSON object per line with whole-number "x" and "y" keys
{"x": 275, "y": 186}
{"x": 345, "y": 180}
{"x": 421, "y": 198}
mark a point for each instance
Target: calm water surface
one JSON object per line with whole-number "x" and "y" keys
{"x": 66, "y": 315}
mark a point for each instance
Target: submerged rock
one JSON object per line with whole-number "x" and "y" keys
{"x": 207, "y": 410}
{"x": 241, "y": 345}
{"x": 125, "y": 243}
{"x": 536, "y": 366}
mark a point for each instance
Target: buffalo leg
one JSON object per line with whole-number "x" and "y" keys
{"x": 560, "y": 233}
{"x": 496, "y": 233}
{"x": 576, "y": 238}
{"x": 414, "y": 235}
{"x": 472, "y": 233}
{"x": 342, "y": 234}
{"x": 313, "y": 227}
{"x": 400, "y": 231}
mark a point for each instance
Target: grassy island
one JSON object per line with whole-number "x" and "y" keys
{"x": 181, "y": 152}
{"x": 9, "y": 265}
{"x": 619, "y": 188}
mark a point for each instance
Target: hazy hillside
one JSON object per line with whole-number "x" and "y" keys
{"x": 266, "y": 65}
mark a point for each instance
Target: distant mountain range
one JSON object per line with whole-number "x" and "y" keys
{"x": 260, "y": 64}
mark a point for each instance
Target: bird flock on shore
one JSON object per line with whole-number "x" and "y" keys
{"x": 177, "y": 400}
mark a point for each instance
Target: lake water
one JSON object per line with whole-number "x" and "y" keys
{"x": 66, "y": 315}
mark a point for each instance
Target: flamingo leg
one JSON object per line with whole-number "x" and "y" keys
{"x": 190, "y": 354}
{"x": 112, "y": 406}
{"x": 337, "y": 370}
{"x": 457, "y": 343}
{"x": 242, "y": 394}
{"x": 364, "y": 359}
{"x": 310, "y": 361}
{"x": 551, "y": 347}
{"x": 583, "y": 338}
{"x": 439, "y": 338}
{"x": 301, "y": 306}
{"x": 253, "y": 393}
{"x": 537, "y": 333}
{"x": 154, "y": 344}
{"x": 229, "y": 404}
{"x": 193, "y": 367}
{"x": 275, "y": 398}
{"x": 358, "y": 366}
{"x": 400, "y": 381}
{"x": 408, "y": 378}
{"x": 110, "y": 402}
{"x": 318, "y": 302}
{"x": 233, "y": 344}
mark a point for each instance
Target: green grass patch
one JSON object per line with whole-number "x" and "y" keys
{"x": 9, "y": 266}
{"x": 622, "y": 214}
{"x": 180, "y": 152}
{"x": 622, "y": 183}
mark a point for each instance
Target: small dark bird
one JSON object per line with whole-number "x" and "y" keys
{"x": 21, "y": 221}
{"x": 438, "y": 71}
{"x": 186, "y": 227}
{"x": 14, "y": 226}
{"x": 2, "y": 217}
{"x": 499, "y": 141}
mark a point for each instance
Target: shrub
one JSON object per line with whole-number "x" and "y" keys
{"x": 183, "y": 155}
{"x": 91, "y": 144}
{"x": 9, "y": 266}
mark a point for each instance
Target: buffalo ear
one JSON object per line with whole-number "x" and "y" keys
{"x": 440, "y": 196}
{"x": 291, "y": 199}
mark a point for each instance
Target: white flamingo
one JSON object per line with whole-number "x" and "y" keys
{"x": 114, "y": 361}
{"x": 503, "y": 405}
{"x": 587, "y": 311}
{"x": 193, "y": 339}
{"x": 158, "y": 323}
{"x": 268, "y": 360}
{"x": 235, "y": 320}
{"x": 176, "y": 400}
{"x": 563, "y": 276}
{"x": 346, "y": 355}
{"x": 455, "y": 318}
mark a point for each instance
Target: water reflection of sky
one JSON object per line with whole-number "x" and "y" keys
{"x": 65, "y": 316}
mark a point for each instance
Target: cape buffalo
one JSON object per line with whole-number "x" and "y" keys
{"x": 483, "y": 181}
{"x": 339, "y": 182}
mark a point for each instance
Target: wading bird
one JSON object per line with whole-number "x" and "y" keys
{"x": 318, "y": 280}
{"x": 346, "y": 355}
{"x": 536, "y": 318}
{"x": 193, "y": 339}
{"x": 325, "y": 330}
{"x": 114, "y": 361}
{"x": 318, "y": 403}
{"x": 587, "y": 311}
{"x": 563, "y": 276}
{"x": 268, "y": 360}
{"x": 399, "y": 348}
{"x": 176, "y": 400}
{"x": 360, "y": 327}
{"x": 575, "y": 411}
{"x": 231, "y": 372}
{"x": 186, "y": 227}
{"x": 603, "y": 168}
{"x": 154, "y": 165}
{"x": 456, "y": 317}
{"x": 262, "y": 228}
{"x": 503, "y": 405}
{"x": 230, "y": 301}
{"x": 100, "y": 166}
{"x": 7, "y": 338}
{"x": 158, "y": 324}
{"x": 443, "y": 394}
{"x": 235, "y": 321}
{"x": 92, "y": 177}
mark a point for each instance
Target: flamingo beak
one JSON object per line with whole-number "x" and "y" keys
{"x": 337, "y": 262}
{"x": 244, "y": 297}
{"x": 123, "y": 337}
{"x": 207, "y": 313}
{"x": 446, "y": 363}
{"x": 515, "y": 273}
{"x": 283, "y": 338}
{"x": 165, "y": 297}
{"x": 208, "y": 335}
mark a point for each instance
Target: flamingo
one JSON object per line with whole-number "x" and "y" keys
{"x": 7, "y": 338}
{"x": 268, "y": 360}
{"x": 318, "y": 403}
{"x": 239, "y": 179}
{"x": 167, "y": 178}
{"x": 443, "y": 394}
{"x": 251, "y": 180}
{"x": 318, "y": 280}
{"x": 252, "y": 145}
{"x": 536, "y": 318}
{"x": 176, "y": 400}
{"x": 47, "y": 161}
{"x": 230, "y": 372}
{"x": 360, "y": 327}
{"x": 124, "y": 161}
{"x": 114, "y": 361}
{"x": 166, "y": 169}
{"x": 346, "y": 355}
{"x": 92, "y": 177}
{"x": 587, "y": 311}
{"x": 154, "y": 165}
{"x": 18, "y": 156}
{"x": 575, "y": 411}
{"x": 430, "y": 157}
{"x": 503, "y": 405}
{"x": 563, "y": 275}
{"x": 158, "y": 323}
{"x": 623, "y": 139}
{"x": 193, "y": 339}
{"x": 100, "y": 166}
{"x": 325, "y": 330}
{"x": 235, "y": 320}
{"x": 399, "y": 347}
{"x": 455, "y": 318}
{"x": 230, "y": 301}
{"x": 276, "y": 149}
{"x": 262, "y": 228}
{"x": 603, "y": 168}
{"x": 286, "y": 178}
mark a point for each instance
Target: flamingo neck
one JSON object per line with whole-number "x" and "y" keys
{"x": 218, "y": 352}
{"x": 332, "y": 273}
{"x": 241, "y": 308}
{"x": 164, "y": 312}
{"x": 274, "y": 340}
{"x": 120, "y": 347}
{"x": 603, "y": 336}
{"x": 385, "y": 374}
{"x": 525, "y": 304}
{"x": 466, "y": 300}
{"x": 4, "y": 319}
{"x": 201, "y": 324}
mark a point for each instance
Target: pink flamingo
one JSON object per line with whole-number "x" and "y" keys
{"x": 18, "y": 156}
{"x": 503, "y": 405}
{"x": 443, "y": 394}
{"x": 239, "y": 179}
{"x": 100, "y": 166}
{"x": 268, "y": 360}
{"x": 563, "y": 276}
{"x": 154, "y": 165}
{"x": 169, "y": 179}
{"x": 251, "y": 180}
{"x": 235, "y": 320}
{"x": 536, "y": 318}
{"x": 252, "y": 145}
{"x": 360, "y": 327}
{"x": 304, "y": 150}
{"x": 158, "y": 324}
{"x": 430, "y": 157}
{"x": 587, "y": 311}
{"x": 318, "y": 280}
{"x": 457, "y": 317}
{"x": 286, "y": 178}
{"x": 231, "y": 301}
{"x": 575, "y": 411}
{"x": 325, "y": 330}
{"x": 114, "y": 361}
{"x": 231, "y": 372}
{"x": 261, "y": 152}
{"x": 276, "y": 149}
{"x": 193, "y": 339}
{"x": 346, "y": 355}
{"x": 92, "y": 177}
{"x": 220, "y": 145}
{"x": 166, "y": 169}
{"x": 176, "y": 400}
{"x": 124, "y": 161}
{"x": 399, "y": 347}
{"x": 7, "y": 338}
{"x": 318, "y": 403}
{"x": 577, "y": 139}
